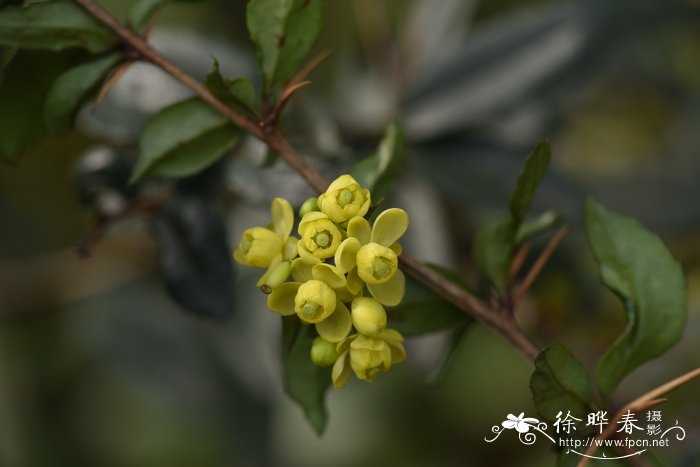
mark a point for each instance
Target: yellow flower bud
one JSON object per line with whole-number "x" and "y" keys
{"x": 376, "y": 264}
{"x": 309, "y": 205}
{"x": 323, "y": 353}
{"x": 314, "y": 302}
{"x": 319, "y": 235}
{"x": 344, "y": 199}
{"x": 368, "y": 316}
{"x": 258, "y": 247}
{"x": 277, "y": 276}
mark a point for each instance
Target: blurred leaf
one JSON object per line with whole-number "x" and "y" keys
{"x": 636, "y": 265}
{"x": 560, "y": 383}
{"x": 142, "y": 11}
{"x": 304, "y": 382}
{"x": 284, "y": 31}
{"x": 493, "y": 248}
{"x": 183, "y": 139}
{"x": 378, "y": 171}
{"x": 27, "y": 80}
{"x": 55, "y": 25}
{"x": 194, "y": 256}
{"x": 238, "y": 93}
{"x": 423, "y": 311}
{"x": 70, "y": 89}
{"x": 540, "y": 224}
{"x": 535, "y": 167}
{"x": 456, "y": 337}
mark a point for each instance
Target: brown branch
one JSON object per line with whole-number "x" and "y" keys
{"x": 640, "y": 404}
{"x": 540, "y": 262}
{"x": 270, "y": 136}
{"x": 518, "y": 260}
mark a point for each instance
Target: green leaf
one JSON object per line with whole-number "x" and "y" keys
{"x": 456, "y": 338}
{"x": 284, "y": 31}
{"x": 27, "y": 80}
{"x": 526, "y": 186}
{"x": 142, "y": 11}
{"x": 238, "y": 93}
{"x": 540, "y": 224}
{"x": 423, "y": 311}
{"x": 71, "y": 88}
{"x": 636, "y": 265}
{"x": 560, "y": 383}
{"x": 304, "y": 382}
{"x": 55, "y": 25}
{"x": 493, "y": 249}
{"x": 378, "y": 171}
{"x": 183, "y": 139}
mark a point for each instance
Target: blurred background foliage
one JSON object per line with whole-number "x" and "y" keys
{"x": 99, "y": 366}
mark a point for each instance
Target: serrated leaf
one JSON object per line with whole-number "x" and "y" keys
{"x": 70, "y": 89}
{"x": 560, "y": 383}
{"x": 284, "y": 31}
{"x": 183, "y": 139}
{"x": 540, "y": 224}
{"x": 423, "y": 311}
{"x": 493, "y": 249}
{"x": 142, "y": 11}
{"x": 378, "y": 171}
{"x": 27, "y": 80}
{"x": 55, "y": 25}
{"x": 636, "y": 265}
{"x": 304, "y": 382}
{"x": 535, "y": 167}
{"x": 238, "y": 93}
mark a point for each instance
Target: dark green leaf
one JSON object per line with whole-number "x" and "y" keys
{"x": 284, "y": 31}
{"x": 53, "y": 25}
{"x": 378, "y": 171}
{"x": 183, "y": 139}
{"x": 142, "y": 11}
{"x": 493, "y": 249}
{"x": 540, "y": 224}
{"x": 456, "y": 337}
{"x": 27, "y": 80}
{"x": 535, "y": 168}
{"x": 303, "y": 381}
{"x": 423, "y": 311}
{"x": 560, "y": 383}
{"x": 238, "y": 93}
{"x": 70, "y": 89}
{"x": 636, "y": 265}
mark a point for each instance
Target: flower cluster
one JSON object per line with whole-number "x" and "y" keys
{"x": 321, "y": 276}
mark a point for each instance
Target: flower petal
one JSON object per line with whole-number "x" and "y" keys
{"x": 301, "y": 271}
{"x": 355, "y": 284}
{"x": 328, "y": 274}
{"x": 306, "y": 255}
{"x": 345, "y": 255}
{"x": 341, "y": 371}
{"x": 282, "y": 217}
{"x": 509, "y": 424}
{"x": 398, "y": 352}
{"x": 522, "y": 427}
{"x": 359, "y": 228}
{"x": 389, "y": 226}
{"x": 337, "y": 326}
{"x": 390, "y": 293}
{"x": 290, "y": 248}
{"x": 281, "y": 299}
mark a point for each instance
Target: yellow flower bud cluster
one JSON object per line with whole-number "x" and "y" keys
{"x": 322, "y": 276}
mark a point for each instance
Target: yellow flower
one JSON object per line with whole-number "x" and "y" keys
{"x": 315, "y": 295}
{"x": 323, "y": 352}
{"x": 368, "y": 316}
{"x": 268, "y": 247}
{"x": 367, "y": 356}
{"x": 320, "y": 237}
{"x": 370, "y": 255}
{"x": 314, "y": 301}
{"x": 344, "y": 199}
